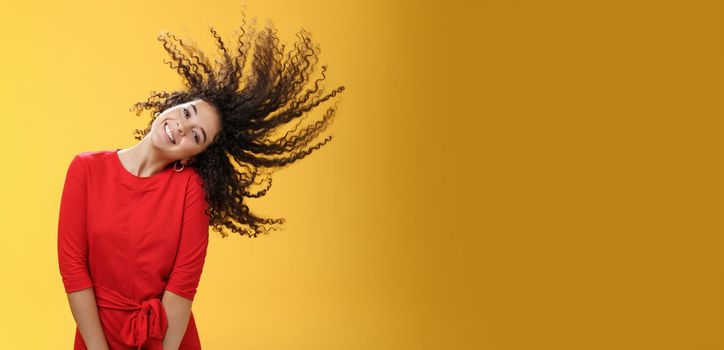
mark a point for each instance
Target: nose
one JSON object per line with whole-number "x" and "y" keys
{"x": 181, "y": 128}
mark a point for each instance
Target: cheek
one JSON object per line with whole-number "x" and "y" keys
{"x": 189, "y": 146}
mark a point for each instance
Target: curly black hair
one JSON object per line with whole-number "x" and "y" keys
{"x": 252, "y": 107}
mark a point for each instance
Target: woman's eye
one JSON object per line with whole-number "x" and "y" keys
{"x": 186, "y": 113}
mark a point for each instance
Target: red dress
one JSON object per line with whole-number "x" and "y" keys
{"x": 130, "y": 238}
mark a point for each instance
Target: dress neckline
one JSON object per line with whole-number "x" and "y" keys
{"x": 128, "y": 174}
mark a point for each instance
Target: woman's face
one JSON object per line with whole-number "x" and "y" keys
{"x": 192, "y": 127}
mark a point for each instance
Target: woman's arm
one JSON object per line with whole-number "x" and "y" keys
{"x": 73, "y": 255}
{"x": 188, "y": 264}
{"x": 85, "y": 312}
{"x": 178, "y": 310}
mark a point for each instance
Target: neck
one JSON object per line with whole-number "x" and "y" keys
{"x": 142, "y": 160}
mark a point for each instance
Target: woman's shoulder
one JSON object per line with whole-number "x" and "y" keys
{"x": 194, "y": 179}
{"x": 91, "y": 158}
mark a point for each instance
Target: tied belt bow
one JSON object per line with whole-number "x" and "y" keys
{"x": 148, "y": 319}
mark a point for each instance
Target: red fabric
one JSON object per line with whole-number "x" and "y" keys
{"x": 130, "y": 238}
{"x": 148, "y": 319}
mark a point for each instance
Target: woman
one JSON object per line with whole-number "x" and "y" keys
{"x": 133, "y": 223}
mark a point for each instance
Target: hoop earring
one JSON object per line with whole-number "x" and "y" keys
{"x": 174, "y": 166}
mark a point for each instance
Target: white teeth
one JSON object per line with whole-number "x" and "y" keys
{"x": 167, "y": 129}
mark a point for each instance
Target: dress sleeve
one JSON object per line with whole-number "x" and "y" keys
{"x": 191, "y": 254}
{"x": 72, "y": 239}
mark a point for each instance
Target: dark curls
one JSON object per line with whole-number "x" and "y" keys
{"x": 252, "y": 106}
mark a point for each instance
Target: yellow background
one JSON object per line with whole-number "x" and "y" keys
{"x": 503, "y": 174}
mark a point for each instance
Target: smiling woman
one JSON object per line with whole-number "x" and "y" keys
{"x": 186, "y": 126}
{"x": 134, "y": 223}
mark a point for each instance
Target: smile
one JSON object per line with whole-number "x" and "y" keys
{"x": 169, "y": 134}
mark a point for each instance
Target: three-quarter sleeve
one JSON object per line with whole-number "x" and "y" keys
{"x": 193, "y": 242}
{"x": 72, "y": 241}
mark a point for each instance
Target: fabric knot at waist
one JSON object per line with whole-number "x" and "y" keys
{"x": 148, "y": 319}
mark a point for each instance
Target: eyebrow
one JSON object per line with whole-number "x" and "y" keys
{"x": 197, "y": 114}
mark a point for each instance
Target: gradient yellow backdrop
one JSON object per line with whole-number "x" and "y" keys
{"x": 356, "y": 266}
{"x": 503, "y": 174}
